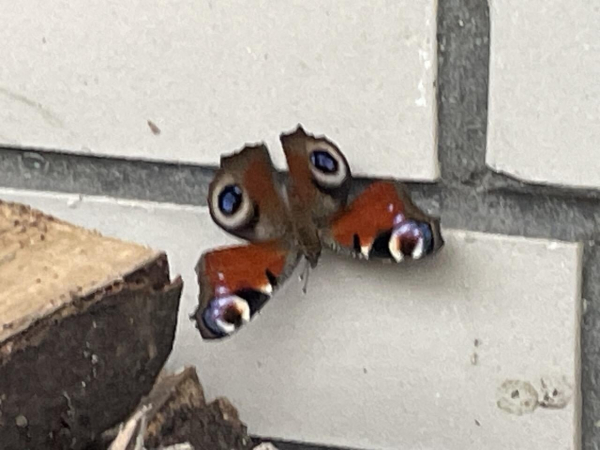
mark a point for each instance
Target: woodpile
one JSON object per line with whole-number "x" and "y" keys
{"x": 86, "y": 325}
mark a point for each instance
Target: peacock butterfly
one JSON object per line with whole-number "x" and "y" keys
{"x": 287, "y": 222}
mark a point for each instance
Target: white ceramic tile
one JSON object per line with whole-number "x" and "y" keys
{"x": 544, "y": 95}
{"x": 423, "y": 357}
{"x": 87, "y": 76}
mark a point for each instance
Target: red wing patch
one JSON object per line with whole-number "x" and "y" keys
{"x": 377, "y": 209}
{"x": 236, "y": 282}
{"x": 246, "y": 266}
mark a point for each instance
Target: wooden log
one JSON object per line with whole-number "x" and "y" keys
{"x": 176, "y": 412}
{"x": 86, "y": 324}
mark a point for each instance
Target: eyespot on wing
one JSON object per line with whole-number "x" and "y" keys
{"x": 382, "y": 222}
{"x": 236, "y": 282}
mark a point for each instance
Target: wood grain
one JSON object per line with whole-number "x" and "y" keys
{"x": 86, "y": 324}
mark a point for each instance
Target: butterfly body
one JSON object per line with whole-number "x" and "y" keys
{"x": 285, "y": 223}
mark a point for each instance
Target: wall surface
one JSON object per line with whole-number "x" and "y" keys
{"x": 439, "y": 347}
{"x": 544, "y": 92}
{"x": 494, "y": 343}
{"x": 213, "y": 75}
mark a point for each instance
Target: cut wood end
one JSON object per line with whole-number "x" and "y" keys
{"x": 46, "y": 264}
{"x": 94, "y": 316}
{"x": 179, "y": 413}
{"x": 173, "y": 393}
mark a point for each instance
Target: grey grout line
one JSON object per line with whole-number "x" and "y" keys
{"x": 32, "y": 169}
{"x": 499, "y": 182}
{"x": 469, "y": 195}
{"x": 463, "y": 55}
{"x": 113, "y": 177}
{"x": 543, "y": 217}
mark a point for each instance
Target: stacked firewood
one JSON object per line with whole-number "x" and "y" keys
{"x": 86, "y": 325}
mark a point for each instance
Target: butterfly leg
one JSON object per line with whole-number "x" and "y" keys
{"x": 304, "y": 275}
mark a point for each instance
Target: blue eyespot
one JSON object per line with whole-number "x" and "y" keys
{"x": 427, "y": 235}
{"x": 223, "y": 315}
{"x": 210, "y": 321}
{"x": 230, "y": 199}
{"x": 416, "y": 238}
{"x": 323, "y": 161}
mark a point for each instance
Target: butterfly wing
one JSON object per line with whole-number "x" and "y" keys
{"x": 380, "y": 223}
{"x": 236, "y": 282}
{"x": 319, "y": 175}
{"x": 318, "y": 185}
{"x": 245, "y": 199}
{"x": 383, "y": 223}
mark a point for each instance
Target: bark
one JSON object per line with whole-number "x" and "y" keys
{"x": 86, "y": 324}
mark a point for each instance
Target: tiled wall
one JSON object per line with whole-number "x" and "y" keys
{"x": 211, "y": 75}
{"x": 544, "y": 116}
{"x": 439, "y": 356}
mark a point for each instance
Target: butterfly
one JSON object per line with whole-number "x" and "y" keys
{"x": 287, "y": 222}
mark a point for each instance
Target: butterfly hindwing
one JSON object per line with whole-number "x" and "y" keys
{"x": 236, "y": 282}
{"x": 382, "y": 222}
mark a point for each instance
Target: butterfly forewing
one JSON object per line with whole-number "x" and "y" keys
{"x": 245, "y": 199}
